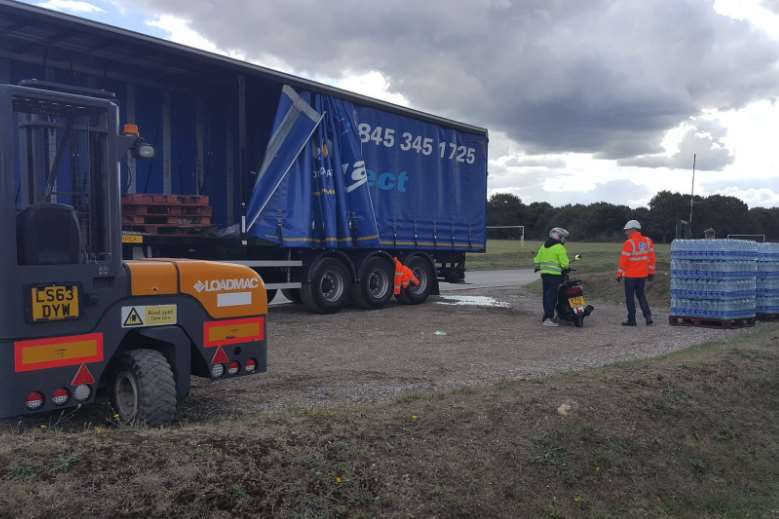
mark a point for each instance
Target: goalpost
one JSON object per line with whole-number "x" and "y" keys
{"x": 504, "y": 232}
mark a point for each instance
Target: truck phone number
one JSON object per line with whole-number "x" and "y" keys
{"x": 407, "y": 141}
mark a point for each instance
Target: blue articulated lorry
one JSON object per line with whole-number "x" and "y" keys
{"x": 318, "y": 189}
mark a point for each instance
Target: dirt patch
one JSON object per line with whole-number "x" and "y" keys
{"x": 690, "y": 436}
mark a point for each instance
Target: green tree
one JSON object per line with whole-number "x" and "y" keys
{"x": 666, "y": 209}
{"x": 725, "y": 214}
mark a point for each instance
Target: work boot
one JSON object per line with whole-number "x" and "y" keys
{"x": 549, "y": 322}
{"x": 649, "y": 321}
{"x": 629, "y": 323}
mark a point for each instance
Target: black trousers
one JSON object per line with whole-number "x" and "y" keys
{"x": 551, "y": 288}
{"x": 635, "y": 288}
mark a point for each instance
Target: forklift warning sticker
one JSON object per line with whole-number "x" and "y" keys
{"x": 157, "y": 315}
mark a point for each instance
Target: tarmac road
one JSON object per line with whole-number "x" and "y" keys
{"x": 493, "y": 279}
{"x": 473, "y": 279}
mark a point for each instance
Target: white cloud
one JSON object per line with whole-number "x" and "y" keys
{"x": 372, "y": 84}
{"x": 73, "y": 6}
{"x": 755, "y": 12}
{"x": 754, "y": 197}
{"x": 120, "y": 7}
{"x": 702, "y": 138}
{"x": 179, "y": 31}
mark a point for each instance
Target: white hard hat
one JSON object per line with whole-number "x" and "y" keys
{"x": 633, "y": 225}
{"x": 558, "y": 233}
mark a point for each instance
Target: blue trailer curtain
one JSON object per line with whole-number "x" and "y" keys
{"x": 293, "y": 127}
{"x": 312, "y": 190}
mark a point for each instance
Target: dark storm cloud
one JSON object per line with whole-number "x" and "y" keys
{"x": 603, "y": 76}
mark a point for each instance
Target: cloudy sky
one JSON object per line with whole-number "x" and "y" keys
{"x": 585, "y": 100}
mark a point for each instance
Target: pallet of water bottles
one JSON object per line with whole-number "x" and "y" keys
{"x": 714, "y": 283}
{"x": 168, "y": 215}
{"x": 768, "y": 282}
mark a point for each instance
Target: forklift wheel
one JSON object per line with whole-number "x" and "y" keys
{"x": 143, "y": 390}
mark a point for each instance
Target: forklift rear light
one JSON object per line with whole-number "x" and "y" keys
{"x": 233, "y": 368}
{"x": 34, "y": 401}
{"x": 251, "y": 366}
{"x": 217, "y": 370}
{"x": 60, "y": 396}
{"x": 82, "y": 392}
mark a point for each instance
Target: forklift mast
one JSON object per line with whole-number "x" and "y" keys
{"x": 59, "y": 190}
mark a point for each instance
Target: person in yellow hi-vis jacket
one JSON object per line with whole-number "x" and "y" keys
{"x": 550, "y": 261}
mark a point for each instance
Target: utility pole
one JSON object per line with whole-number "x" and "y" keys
{"x": 692, "y": 192}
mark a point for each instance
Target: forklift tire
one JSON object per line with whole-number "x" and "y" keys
{"x": 377, "y": 278}
{"x": 143, "y": 389}
{"x": 414, "y": 295}
{"x": 293, "y": 294}
{"x": 328, "y": 288}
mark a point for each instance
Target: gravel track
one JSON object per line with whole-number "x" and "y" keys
{"x": 363, "y": 356}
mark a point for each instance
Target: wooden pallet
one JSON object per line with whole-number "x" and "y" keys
{"x": 702, "y": 322}
{"x": 154, "y": 199}
{"x": 768, "y": 317}
{"x": 169, "y": 210}
{"x": 161, "y": 219}
{"x": 170, "y": 230}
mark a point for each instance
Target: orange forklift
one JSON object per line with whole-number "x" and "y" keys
{"x": 77, "y": 323}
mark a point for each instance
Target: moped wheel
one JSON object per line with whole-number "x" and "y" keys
{"x": 578, "y": 320}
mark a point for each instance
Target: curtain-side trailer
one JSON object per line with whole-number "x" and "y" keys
{"x": 316, "y": 188}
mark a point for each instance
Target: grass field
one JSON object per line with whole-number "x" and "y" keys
{"x": 597, "y": 257}
{"x": 597, "y": 269}
{"x": 690, "y": 436}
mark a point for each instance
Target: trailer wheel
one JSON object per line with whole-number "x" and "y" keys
{"x": 329, "y": 286}
{"x": 143, "y": 389}
{"x": 414, "y": 295}
{"x": 376, "y": 281}
{"x": 293, "y": 294}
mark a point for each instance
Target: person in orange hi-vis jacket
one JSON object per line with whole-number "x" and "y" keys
{"x": 404, "y": 276}
{"x": 636, "y": 265}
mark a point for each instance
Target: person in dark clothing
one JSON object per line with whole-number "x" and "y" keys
{"x": 551, "y": 260}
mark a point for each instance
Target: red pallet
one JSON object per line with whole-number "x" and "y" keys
{"x": 169, "y": 210}
{"x": 155, "y": 199}
{"x": 170, "y": 230}
{"x": 161, "y": 219}
{"x": 725, "y": 324}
